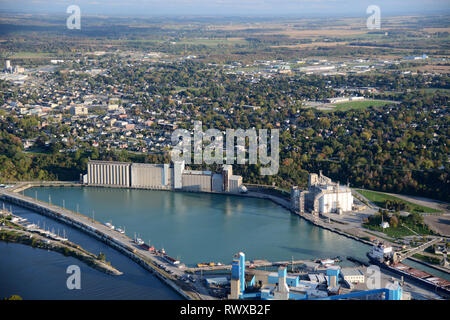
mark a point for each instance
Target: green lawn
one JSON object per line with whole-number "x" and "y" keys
{"x": 391, "y": 232}
{"x": 358, "y": 105}
{"x": 378, "y": 198}
{"x": 400, "y": 231}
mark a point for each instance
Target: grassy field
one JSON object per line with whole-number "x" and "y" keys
{"x": 358, "y": 105}
{"x": 30, "y": 55}
{"x": 378, "y": 198}
{"x": 427, "y": 259}
{"x": 398, "y": 232}
{"x": 213, "y": 42}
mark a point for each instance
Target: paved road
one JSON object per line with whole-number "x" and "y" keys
{"x": 441, "y": 224}
{"x": 427, "y": 202}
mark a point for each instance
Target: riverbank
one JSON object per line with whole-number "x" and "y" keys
{"x": 275, "y": 199}
{"x": 317, "y": 221}
{"x": 8, "y": 234}
{"x": 321, "y": 222}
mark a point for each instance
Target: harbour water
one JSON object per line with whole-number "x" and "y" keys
{"x": 39, "y": 274}
{"x": 197, "y": 227}
{"x": 193, "y": 227}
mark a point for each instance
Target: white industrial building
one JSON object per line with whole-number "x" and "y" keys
{"x": 231, "y": 182}
{"x": 178, "y": 168}
{"x": 106, "y": 173}
{"x": 199, "y": 181}
{"x": 151, "y": 176}
{"x": 323, "y": 196}
{"x": 160, "y": 177}
{"x": 353, "y": 275}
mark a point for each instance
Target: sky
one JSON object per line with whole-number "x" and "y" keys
{"x": 302, "y": 8}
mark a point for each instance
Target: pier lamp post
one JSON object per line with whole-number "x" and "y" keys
{"x": 49, "y": 199}
{"x": 64, "y": 204}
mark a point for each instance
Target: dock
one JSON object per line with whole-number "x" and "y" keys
{"x": 250, "y": 265}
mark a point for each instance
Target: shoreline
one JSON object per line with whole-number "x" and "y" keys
{"x": 35, "y": 241}
{"x": 251, "y": 194}
{"x": 277, "y": 200}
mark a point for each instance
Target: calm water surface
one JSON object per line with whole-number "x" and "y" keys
{"x": 192, "y": 227}
{"x": 40, "y": 274}
{"x": 198, "y": 227}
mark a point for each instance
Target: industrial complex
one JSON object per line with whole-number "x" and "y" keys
{"x": 322, "y": 197}
{"x": 324, "y": 281}
{"x": 161, "y": 177}
{"x": 309, "y": 280}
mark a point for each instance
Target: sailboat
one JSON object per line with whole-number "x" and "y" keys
{"x": 109, "y": 225}
{"x": 139, "y": 241}
{"x": 63, "y": 238}
{"x": 120, "y": 230}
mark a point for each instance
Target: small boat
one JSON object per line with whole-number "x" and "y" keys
{"x": 139, "y": 241}
{"x": 326, "y": 261}
{"x": 120, "y": 230}
{"x": 109, "y": 225}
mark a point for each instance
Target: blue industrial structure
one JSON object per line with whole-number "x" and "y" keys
{"x": 238, "y": 276}
{"x": 333, "y": 276}
{"x": 395, "y": 292}
{"x": 297, "y": 296}
{"x": 235, "y": 270}
{"x": 389, "y": 294}
{"x": 291, "y": 281}
{"x": 242, "y": 271}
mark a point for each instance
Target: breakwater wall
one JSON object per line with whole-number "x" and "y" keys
{"x": 36, "y": 241}
{"x": 87, "y": 227}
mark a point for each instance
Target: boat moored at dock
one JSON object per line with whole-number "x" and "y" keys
{"x": 384, "y": 256}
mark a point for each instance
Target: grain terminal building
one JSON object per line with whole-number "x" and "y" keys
{"x": 160, "y": 177}
{"x": 322, "y": 196}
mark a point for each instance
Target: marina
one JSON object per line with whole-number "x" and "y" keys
{"x": 194, "y": 228}
{"x": 172, "y": 270}
{"x": 45, "y": 271}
